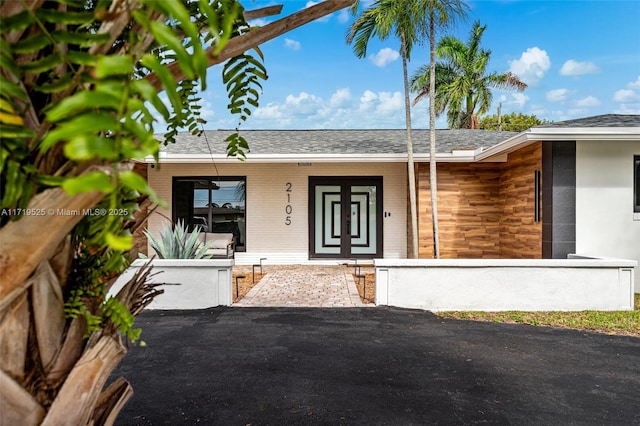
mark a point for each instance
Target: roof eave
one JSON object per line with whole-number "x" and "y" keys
{"x": 537, "y": 134}
{"x": 281, "y": 158}
{"x": 455, "y": 157}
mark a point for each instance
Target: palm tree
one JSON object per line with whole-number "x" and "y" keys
{"x": 408, "y": 20}
{"x": 463, "y": 84}
{"x": 442, "y": 13}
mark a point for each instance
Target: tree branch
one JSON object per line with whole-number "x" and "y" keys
{"x": 262, "y": 12}
{"x": 253, "y": 38}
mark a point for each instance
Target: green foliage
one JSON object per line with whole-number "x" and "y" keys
{"x": 95, "y": 264}
{"x": 188, "y": 93}
{"x": 463, "y": 83}
{"x": 514, "y": 122}
{"x": 76, "y": 306}
{"x": 242, "y": 76}
{"x": 118, "y": 314}
{"x": 177, "y": 243}
{"x": 407, "y": 20}
{"x": 77, "y": 101}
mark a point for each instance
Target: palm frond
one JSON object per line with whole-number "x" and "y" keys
{"x": 463, "y": 88}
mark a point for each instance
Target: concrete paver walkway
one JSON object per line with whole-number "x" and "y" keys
{"x": 304, "y": 286}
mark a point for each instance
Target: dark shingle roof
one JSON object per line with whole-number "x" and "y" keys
{"x": 605, "y": 120}
{"x": 337, "y": 141}
{"x": 370, "y": 142}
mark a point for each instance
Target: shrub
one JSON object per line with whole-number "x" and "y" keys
{"x": 176, "y": 243}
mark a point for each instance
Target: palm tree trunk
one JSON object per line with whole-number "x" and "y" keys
{"x": 433, "y": 181}
{"x": 470, "y": 121}
{"x": 50, "y": 373}
{"x": 410, "y": 163}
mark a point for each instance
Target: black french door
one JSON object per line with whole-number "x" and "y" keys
{"x": 345, "y": 217}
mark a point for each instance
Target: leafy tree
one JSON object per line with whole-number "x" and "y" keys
{"x": 463, "y": 85}
{"x": 408, "y": 21}
{"x": 514, "y": 122}
{"x": 79, "y": 90}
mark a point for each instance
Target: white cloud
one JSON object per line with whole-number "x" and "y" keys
{"x": 628, "y": 99}
{"x": 340, "y": 98}
{"x": 532, "y": 65}
{"x": 382, "y": 102}
{"x": 517, "y": 99}
{"x": 628, "y": 109}
{"x": 589, "y": 101}
{"x": 384, "y": 56}
{"x": 557, "y": 95}
{"x": 367, "y": 100}
{"x": 538, "y": 110}
{"x": 572, "y": 67}
{"x": 634, "y": 84}
{"x": 207, "y": 112}
{"x": 292, "y": 44}
{"x": 577, "y": 112}
{"x": 344, "y": 15}
{"x": 269, "y": 112}
{"x": 303, "y": 104}
{"x": 626, "y": 95}
{"x": 390, "y": 102}
{"x": 258, "y": 22}
{"x": 373, "y": 110}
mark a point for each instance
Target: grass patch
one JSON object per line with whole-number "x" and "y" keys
{"x": 614, "y": 322}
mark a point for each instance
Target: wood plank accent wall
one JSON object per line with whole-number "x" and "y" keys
{"x": 469, "y": 210}
{"x": 485, "y": 210}
{"x": 520, "y": 236}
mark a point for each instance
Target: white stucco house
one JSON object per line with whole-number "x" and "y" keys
{"x": 309, "y": 196}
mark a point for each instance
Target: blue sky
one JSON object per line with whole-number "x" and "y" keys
{"x": 579, "y": 58}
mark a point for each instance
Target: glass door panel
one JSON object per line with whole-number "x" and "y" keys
{"x": 345, "y": 217}
{"x": 363, "y": 220}
{"x": 328, "y": 223}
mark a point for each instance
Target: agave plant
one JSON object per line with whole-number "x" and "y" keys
{"x": 176, "y": 243}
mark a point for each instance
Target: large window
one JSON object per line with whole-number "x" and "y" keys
{"x": 216, "y": 204}
{"x": 636, "y": 183}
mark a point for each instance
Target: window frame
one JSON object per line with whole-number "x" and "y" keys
{"x": 636, "y": 183}
{"x": 174, "y": 200}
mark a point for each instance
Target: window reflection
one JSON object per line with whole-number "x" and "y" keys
{"x": 214, "y": 204}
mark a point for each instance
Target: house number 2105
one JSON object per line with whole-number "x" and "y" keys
{"x": 288, "y": 209}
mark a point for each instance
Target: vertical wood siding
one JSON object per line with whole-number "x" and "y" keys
{"x": 485, "y": 210}
{"x": 520, "y": 236}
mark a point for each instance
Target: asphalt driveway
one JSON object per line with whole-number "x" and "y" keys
{"x": 373, "y": 366}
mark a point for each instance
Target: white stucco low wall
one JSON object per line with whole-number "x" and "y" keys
{"x": 188, "y": 284}
{"x": 506, "y": 284}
